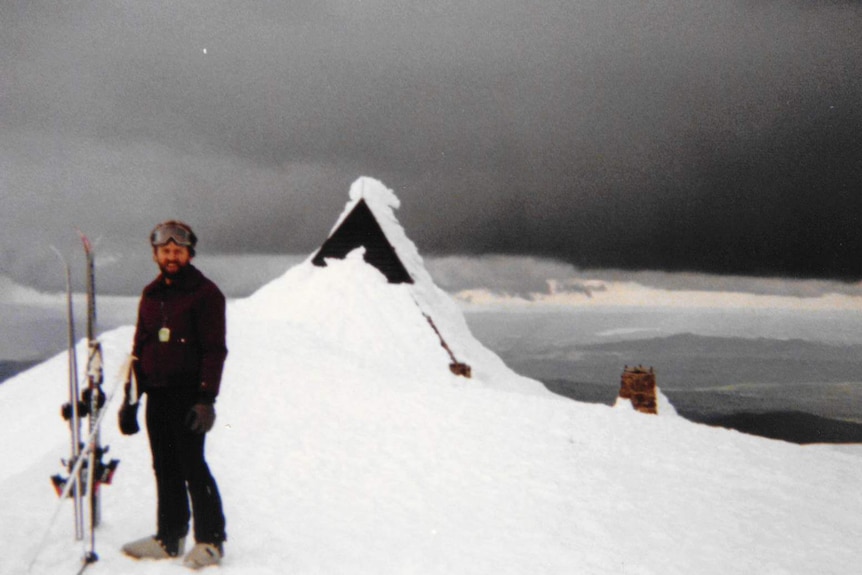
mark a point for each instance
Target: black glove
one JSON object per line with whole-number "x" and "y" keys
{"x": 201, "y": 417}
{"x": 129, "y": 419}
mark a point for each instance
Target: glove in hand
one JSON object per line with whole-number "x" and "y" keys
{"x": 201, "y": 417}
{"x": 128, "y": 416}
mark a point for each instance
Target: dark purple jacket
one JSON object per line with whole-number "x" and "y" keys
{"x": 192, "y": 308}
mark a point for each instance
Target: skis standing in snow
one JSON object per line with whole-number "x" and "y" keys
{"x": 180, "y": 343}
{"x": 87, "y": 471}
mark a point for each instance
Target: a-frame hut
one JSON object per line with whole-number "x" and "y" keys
{"x": 368, "y": 221}
{"x": 360, "y": 229}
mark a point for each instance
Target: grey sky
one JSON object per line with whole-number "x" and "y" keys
{"x": 666, "y": 135}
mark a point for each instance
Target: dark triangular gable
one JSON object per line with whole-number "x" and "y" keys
{"x": 360, "y": 228}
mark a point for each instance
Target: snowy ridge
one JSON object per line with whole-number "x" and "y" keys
{"x": 343, "y": 444}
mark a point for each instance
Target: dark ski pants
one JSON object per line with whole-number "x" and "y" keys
{"x": 181, "y": 469}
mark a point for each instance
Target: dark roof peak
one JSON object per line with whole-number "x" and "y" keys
{"x": 361, "y": 229}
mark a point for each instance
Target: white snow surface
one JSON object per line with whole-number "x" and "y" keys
{"x": 345, "y": 445}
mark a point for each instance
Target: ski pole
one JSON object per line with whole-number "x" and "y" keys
{"x": 74, "y": 417}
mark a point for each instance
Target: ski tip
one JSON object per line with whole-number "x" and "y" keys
{"x": 86, "y": 241}
{"x": 57, "y": 252}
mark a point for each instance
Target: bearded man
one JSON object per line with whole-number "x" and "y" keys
{"x": 180, "y": 349}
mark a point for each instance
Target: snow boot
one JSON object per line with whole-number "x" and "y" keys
{"x": 204, "y": 555}
{"x": 154, "y": 548}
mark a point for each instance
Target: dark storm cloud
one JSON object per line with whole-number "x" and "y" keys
{"x": 721, "y": 137}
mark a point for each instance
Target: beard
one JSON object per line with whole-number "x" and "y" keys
{"x": 173, "y": 270}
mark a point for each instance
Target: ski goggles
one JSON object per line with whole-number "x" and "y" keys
{"x": 165, "y": 233}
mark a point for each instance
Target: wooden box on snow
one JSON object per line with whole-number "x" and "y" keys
{"x": 638, "y": 385}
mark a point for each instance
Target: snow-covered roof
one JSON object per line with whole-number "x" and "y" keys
{"x": 383, "y": 202}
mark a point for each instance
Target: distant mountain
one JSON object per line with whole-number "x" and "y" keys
{"x": 697, "y": 345}
{"x": 793, "y": 426}
{"x": 690, "y": 362}
{"x": 11, "y": 368}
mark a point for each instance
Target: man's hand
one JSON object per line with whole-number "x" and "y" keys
{"x": 201, "y": 417}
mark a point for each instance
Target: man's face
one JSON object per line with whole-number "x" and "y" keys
{"x": 171, "y": 258}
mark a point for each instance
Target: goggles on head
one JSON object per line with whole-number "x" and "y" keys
{"x": 178, "y": 234}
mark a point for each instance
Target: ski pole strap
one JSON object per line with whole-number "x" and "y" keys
{"x": 127, "y": 375}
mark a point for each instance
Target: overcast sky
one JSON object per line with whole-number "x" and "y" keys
{"x": 694, "y": 135}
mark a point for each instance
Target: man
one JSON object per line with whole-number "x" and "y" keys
{"x": 180, "y": 349}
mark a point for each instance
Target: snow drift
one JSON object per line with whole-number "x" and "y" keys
{"x": 345, "y": 445}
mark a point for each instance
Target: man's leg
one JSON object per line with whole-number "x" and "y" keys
{"x": 209, "y": 521}
{"x": 164, "y": 425}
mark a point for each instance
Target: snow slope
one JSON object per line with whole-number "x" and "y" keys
{"x": 345, "y": 445}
